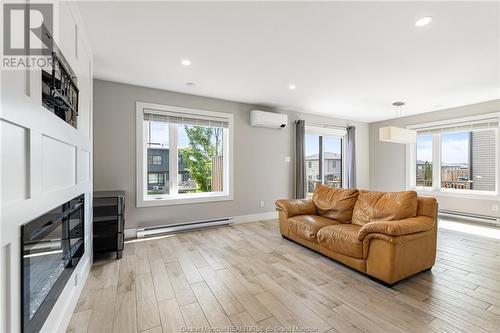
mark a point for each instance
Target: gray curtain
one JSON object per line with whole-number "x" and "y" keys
{"x": 351, "y": 157}
{"x": 300, "y": 159}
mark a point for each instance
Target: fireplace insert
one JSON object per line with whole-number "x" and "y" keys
{"x": 51, "y": 247}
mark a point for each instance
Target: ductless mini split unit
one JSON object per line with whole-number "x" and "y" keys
{"x": 268, "y": 119}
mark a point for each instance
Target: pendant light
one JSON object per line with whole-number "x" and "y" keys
{"x": 397, "y": 134}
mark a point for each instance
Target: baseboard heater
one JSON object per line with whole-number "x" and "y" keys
{"x": 172, "y": 228}
{"x": 468, "y": 217}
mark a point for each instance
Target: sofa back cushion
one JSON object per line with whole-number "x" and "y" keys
{"x": 335, "y": 203}
{"x": 384, "y": 206}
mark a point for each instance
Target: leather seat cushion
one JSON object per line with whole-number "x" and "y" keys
{"x": 335, "y": 203}
{"x": 342, "y": 238}
{"x": 307, "y": 226}
{"x": 384, "y": 206}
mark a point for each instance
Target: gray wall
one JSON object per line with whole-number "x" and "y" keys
{"x": 388, "y": 160}
{"x": 260, "y": 170}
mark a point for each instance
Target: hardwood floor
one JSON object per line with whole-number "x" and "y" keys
{"x": 246, "y": 275}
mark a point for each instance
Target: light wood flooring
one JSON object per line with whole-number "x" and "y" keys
{"x": 247, "y": 276}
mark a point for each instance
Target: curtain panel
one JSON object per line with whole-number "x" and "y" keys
{"x": 351, "y": 157}
{"x": 300, "y": 160}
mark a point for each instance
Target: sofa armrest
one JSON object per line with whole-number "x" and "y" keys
{"x": 296, "y": 207}
{"x": 398, "y": 228}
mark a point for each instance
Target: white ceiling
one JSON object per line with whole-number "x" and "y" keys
{"x": 348, "y": 60}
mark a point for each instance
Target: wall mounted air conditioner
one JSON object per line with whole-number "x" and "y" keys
{"x": 268, "y": 119}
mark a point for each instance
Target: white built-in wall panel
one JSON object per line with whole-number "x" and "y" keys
{"x": 44, "y": 163}
{"x": 84, "y": 114}
{"x": 14, "y": 164}
{"x": 58, "y": 164}
{"x": 83, "y": 166}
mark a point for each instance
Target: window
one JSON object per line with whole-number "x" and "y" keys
{"x": 459, "y": 156}
{"x": 153, "y": 178}
{"x": 468, "y": 160}
{"x": 424, "y": 161}
{"x": 157, "y": 160}
{"x": 184, "y": 155}
{"x": 324, "y": 149}
{"x": 156, "y": 178}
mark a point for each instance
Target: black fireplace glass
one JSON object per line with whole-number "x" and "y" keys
{"x": 52, "y": 245}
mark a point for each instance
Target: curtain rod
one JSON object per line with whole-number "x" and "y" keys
{"x": 326, "y": 125}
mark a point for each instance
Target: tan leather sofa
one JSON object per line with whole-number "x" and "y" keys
{"x": 387, "y": 235}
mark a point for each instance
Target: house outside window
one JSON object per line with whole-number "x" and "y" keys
{"x": 183, "y": 156}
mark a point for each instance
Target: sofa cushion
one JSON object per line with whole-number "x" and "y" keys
{"x": 384, "y": 206}
{"x": 306, "y": 226}
{"x": 335, "y": 203}
{"x": 342, "y": 238}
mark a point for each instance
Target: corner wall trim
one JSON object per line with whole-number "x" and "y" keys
{"x": 132, "y": 232}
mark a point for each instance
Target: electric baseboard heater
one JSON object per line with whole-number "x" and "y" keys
{"x": 448, "y": 214}
{"x": 166, "y": 229}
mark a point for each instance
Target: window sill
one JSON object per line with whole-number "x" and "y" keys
{"x": 182, "y": 199}
{"x": 465, "y": 194}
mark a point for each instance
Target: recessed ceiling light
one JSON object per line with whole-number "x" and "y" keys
{"x": 292, "y": 87}
{"x": 191, "y": 84}
{"x": 186, "y": 62}
{"x": 423, "y": 21}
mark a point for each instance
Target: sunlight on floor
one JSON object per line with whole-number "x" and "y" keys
{"x": 473, "y": 229}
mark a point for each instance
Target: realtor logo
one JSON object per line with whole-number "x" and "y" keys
{"x": 27, "y": 29}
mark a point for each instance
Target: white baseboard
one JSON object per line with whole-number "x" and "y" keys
{"x": 132, "y": 232}
{"x": 254, "y": 217}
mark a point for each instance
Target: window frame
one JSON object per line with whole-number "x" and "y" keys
{"x": 436, "y": 189}
{"x": 336, "y": 132}
{"x": 144, "y": 200}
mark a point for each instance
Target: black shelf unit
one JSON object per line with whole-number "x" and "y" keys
{"x": 60, "y": 91}
{"x": 109, "y": 221}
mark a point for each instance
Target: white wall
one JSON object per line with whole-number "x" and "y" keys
{"x": 260, "y": 170}
{"x": 44, "y": 163}
{"x": 388, "y": 160}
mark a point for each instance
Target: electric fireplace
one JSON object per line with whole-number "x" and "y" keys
{"x": 51, "y": 247}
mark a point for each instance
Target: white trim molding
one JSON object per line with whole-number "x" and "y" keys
{"x": 254, "y": 217}
{"x": 141, "y": 158}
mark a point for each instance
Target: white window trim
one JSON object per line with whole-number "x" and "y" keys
{"x": 436, "y": 160}
{"x": 174, "y": 198}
